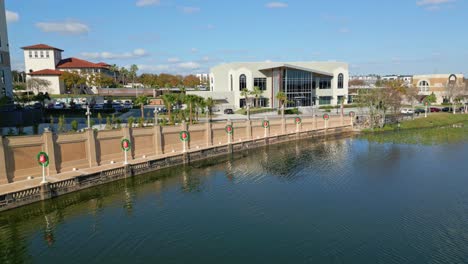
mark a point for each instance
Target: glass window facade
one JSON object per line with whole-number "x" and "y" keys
{"x": 260, "y": 83}
{"x": 242, "y": 82}
{"x": 297, "y": 85}
{"x": 324, "y": 82}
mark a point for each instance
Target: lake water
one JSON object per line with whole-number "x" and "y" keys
{"x": 393, "y": 198}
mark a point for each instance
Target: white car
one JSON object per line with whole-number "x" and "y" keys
{"x": 407, "y": 111}
{"x": 58, "y": 105}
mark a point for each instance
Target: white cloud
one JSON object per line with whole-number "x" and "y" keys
{"x": 11, "y": 16}
{"x": 433, "y": 2}
{"x": 137, "y": 53}
{"x": 276, "y": 5}
{"x": 65, "y": 27}
{"x": 147, "y": 2}
{"x": 183, "y": 68}
{"x": 194, "y": 50}
{"x": 173, "y": 60}
{"x": 189, "y": 9}
{"x": 189, "y": 65}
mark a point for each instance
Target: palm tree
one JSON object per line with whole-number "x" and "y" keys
{"x": 200, "y": 104}
{"x": 169, "y": 100}
{"x": 141, "y": 101}
{"x": 133, "y": 73}
{"x": 190, "y": 100}
{"x": 114, "y": 69}
{"x": 257, "y": 93}
{"x": 123, "y": 75}
{"x": 282, "y": 98}
{"x": 209, "y": 102}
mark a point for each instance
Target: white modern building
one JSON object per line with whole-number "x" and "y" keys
{"x": 203, "y": 77}
{"x": 45, "y": 62}
{"x": 6, "y": 79}
{"x": 304, "y": 83}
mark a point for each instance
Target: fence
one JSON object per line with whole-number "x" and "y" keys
{"x": 90, "y": 148}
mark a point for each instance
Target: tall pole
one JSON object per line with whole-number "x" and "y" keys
{"x": 43, "y": 175}
{"x": 155, "y": 112}
{"x": 88, "y": 113}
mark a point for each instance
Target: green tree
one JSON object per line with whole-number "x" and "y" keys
{"x": 282, "y": 99}
{"x": 99, "y": 117}
{"x": 169, "y": 101}
{"x": 61, "y": 124}
{"x": 130, "y": 121}
{"x": 108, "y": 123}
{"x": 114, "y": 69}
{"x": 191, "y": 100}
{"x": 142, "y": 101}
{"x": 74, "y": 125}
{"x": 133, "y": 73}
{"x": 38, "y": 85}
{"x": 257, "y": 93}
{"x": 73, "y": 80}
{"x": 210, "y": 104}
{"x": 430, "y": 98}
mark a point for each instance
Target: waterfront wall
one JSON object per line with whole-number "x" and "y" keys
{"x": 69, "y": 151}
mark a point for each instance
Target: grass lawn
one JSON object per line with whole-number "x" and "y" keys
{"x": 433, "y": 120}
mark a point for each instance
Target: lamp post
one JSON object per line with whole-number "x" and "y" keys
{"x": 88, "y": 114}
{"x": 155, "y": 112}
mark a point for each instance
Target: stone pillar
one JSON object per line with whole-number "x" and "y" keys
{"x": 49, "y": 148}
{"x": 209, "y": 134}
{"x": 158, "y": 144}
{"x": 3, "y": 162}
{"x": 185, "y": 144}
{"x": 283, "y": 125}
{"x": 92, "y": 154}
{"x": 127, "y": 133}
{"x": 249, "y": 129}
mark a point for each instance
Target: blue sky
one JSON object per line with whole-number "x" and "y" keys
{"x": 190, "y": 36}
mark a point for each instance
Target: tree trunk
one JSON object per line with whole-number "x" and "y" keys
{"x": 142, "y": 111}
{"x": 190, "y": 114}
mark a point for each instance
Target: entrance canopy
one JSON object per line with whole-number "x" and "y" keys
{"x": 289, "y": 66}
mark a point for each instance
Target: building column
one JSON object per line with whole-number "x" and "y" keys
{"x": 157, "y": 136}
{"x": 49, "y": 148}
{"x": 92, "y": 155}
{"x": 3, "y": 168}
{"x": 249, "y": 129}
{"x": 209, "y": 134}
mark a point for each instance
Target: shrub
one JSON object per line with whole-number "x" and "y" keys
{"x": 74, "y": 125}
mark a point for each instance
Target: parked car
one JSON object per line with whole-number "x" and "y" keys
{"x": 228, "y": 111}
{"x": 37, "y": 106}
{"x": 59, "y": 105}
{"x": 117, "y": 106}
{"x": 407, "y": 111}
{"x": 419, "y": 111}
{"x": 447, "y": 109}
{"x": 127, "y": 105}
{"x": 98, "y": 106}
{"x": 77, "y": 106}
{"x": 434, "y": 109}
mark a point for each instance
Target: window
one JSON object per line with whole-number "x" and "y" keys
{"x": 324, "y": 83}
{"x": 3, "y": 76}
{"x": 340, "y": 81}
{"x": 452, "y": 79}
{"x": 242, "y": 82}
{"x": 42, "y": 54}
{"x": 325, "y": 100}
{"x": 423, "y": 86}
{"x": 340, "y": 100}
{"x": 260, "y": 83}
{"x": 30, "y": 54}
{"x": 35, "y": 54}
{"x": 1, "y": 57}
{"x": 47, "y": 54}
{"x": 232, "y": 83}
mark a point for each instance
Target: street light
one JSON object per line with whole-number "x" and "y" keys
{"x": 88, "y": 114}
{"x": 155, "y": 112}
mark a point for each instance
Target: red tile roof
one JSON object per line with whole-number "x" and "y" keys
{"x": 103, "y": 64}
{"x": 40, "y": 46}
{"x": 46, "y": 72}
{"x": 75, "y": 63}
